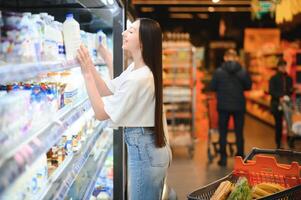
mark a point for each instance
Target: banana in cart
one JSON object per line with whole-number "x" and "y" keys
{"x": 265, "y": 189}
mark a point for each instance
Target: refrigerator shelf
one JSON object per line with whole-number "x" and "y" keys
{"x": 62, "y": 181}
{"x": 10, "y": 73}
{"x": 14, "y": 161}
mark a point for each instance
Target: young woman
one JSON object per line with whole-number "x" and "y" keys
{"x": 134, "y": 101}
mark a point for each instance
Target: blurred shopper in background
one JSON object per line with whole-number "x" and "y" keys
{"x": 280, "y": 88}
{"x": 229, "y": 82}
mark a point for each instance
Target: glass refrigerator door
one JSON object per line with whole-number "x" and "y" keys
{"x": 65, "y": 153}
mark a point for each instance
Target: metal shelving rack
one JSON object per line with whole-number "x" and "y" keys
{"x": 261, "y": 69}
{"x": 178, "y": 65}
{"x": 83, "y": 167}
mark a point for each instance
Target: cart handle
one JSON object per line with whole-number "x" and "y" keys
{"x": 281, "y": 152}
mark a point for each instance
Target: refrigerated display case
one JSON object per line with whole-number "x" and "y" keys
{"x": 51, "y": 145}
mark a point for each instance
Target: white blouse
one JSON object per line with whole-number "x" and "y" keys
{"x": 133, "y": 101}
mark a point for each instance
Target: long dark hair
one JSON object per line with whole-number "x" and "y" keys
{"x": 151, "y": 41}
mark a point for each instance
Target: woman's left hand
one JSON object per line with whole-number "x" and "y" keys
{"x": 84, "y": 59}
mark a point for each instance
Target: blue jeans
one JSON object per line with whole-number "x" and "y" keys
{"x": 147, "y": 164}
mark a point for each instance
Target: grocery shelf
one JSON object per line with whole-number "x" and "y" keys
{"x": 179, "y": 132}
{"x": 176, "y": 66}
{"x": 179, "y": 64}
{"x": 84, "y": 185}
{"x": 59, "y": 186}
{"x": 260, "y": 117}
{"x": 176, "y": 82}
{"x": 182, "y": 115}
{"x": 267, "y": 55}
{"x": 259, "y": 101}
{"x": 176, "y": 50}
{"x": 56, "y": 174}
{"x": 9, "y": 150}
{"x": 273, "y": 54}
{"x": 174, "y": 100}
{"x": 17, "y": 156}
{"x": 21, "y": 72}
{"x": 182, "y": 140}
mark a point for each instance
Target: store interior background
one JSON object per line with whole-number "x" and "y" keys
{"x": 215, "y": 26}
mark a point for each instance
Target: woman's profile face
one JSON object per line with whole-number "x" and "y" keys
{"x": 131, "y": 41}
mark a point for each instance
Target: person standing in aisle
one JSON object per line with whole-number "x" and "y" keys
{"x": 229, "y": 82}
{"x": 280, "y": 89}
{"x": 133, "y": 100}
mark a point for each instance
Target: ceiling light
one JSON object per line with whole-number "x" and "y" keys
{"x": 203, "y": 16}
{"x": 147, "y": 9}
{"x": 189, "y": 2}
{"x": 210, "y": 9}
{"x": 232, "y": 9}
{"x": 181, "y": 15}
{"x": 215, "y": 1}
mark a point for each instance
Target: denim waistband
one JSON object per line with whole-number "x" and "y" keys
{"x": 140, "y": 130}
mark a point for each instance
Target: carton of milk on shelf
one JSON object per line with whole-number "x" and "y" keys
{"x": 71, "y": 33}
{"x": 50, "y": 39}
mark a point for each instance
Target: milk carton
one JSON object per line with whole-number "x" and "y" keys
{"x": 71, "y": 33}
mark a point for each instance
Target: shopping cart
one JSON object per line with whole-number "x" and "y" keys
{"x": 213, "y": 134}
{"x": 292, "y": 117}
{"x": 275, "y": 173}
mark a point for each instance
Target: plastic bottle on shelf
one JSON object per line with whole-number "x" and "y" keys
{"x": 82, "y": 91}
{"x": 71, "y": 87}
{"x": 14, "y": 45}
{"x": 39, "y": 177}
{"x": 12, "y": 19}
{"x": 52, "y": 82}
{"x": 60, "y": 41}
{"x": 38, "y": 35}
{"x": 71, "y": 33}
{"x": 68, "y": 145}
{"x": 92, "y": 45}
{"x": 101, "y": 38}
{"x": 84, "y": 37}
{"x": 1, "y": 24}
{"x": 50, "y": 46}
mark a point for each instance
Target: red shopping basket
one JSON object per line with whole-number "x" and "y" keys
{"x": 213, "y": 144}
{"x": 213, "y": 114}
{"x": 263, "y": 169}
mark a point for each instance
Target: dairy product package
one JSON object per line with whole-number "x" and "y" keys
{"x": 71, "y": 33}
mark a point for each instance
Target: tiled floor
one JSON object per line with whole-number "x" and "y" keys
{"x": 186, "y": 175}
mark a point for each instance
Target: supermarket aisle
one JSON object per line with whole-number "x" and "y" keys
{"x": 186, "y": 175}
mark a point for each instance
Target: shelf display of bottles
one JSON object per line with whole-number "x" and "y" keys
{"x": 97, "y": 174}
{"x": 35, "y": 43}
{"x": 60, "y": 165}
{"x": 178, "y": 88}
{"x": 48, "y": 134}
{"x": 103, "y": 188}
